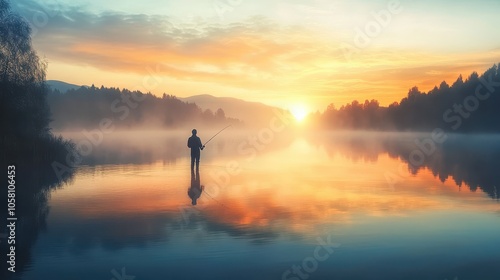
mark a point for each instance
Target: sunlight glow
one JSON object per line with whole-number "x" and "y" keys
{"x": 299, "y": 112}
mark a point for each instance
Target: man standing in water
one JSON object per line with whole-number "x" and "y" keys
{"x": 194, "y": 142}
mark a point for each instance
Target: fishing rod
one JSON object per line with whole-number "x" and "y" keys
{"x": 216, "y": 134}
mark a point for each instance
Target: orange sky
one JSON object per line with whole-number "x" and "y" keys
{"x": 279, "y": 52}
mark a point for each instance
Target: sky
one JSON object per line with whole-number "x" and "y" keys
{"x": 285, "y": 53}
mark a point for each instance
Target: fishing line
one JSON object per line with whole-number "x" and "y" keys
{"x": 214, "y": 198}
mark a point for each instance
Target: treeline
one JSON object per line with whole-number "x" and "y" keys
{"x": 465, "y": 106}
{"x": 86, "y": 107}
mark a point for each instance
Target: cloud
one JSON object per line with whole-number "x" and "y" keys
{"x": 237, "y": 53}
{"x": 257, "y": 56}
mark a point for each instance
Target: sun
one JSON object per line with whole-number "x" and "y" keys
{"x": 299, "y": 112}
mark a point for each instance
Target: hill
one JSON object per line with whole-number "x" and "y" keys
{"x": 61, "y": 86}
{"x": 251, "y": 113}
{"x": 89, "y": 107}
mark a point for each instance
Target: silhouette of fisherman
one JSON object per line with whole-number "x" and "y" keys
{"x": 196, "y": 188}
{"x": 194, "y": 142}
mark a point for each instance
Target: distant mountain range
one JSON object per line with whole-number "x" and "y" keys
{"x": 61, "y": 86}
{"x": 251, "y": 113}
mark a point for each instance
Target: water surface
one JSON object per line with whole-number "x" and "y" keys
{"x": 264, "y": 210}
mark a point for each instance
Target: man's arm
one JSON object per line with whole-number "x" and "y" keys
{"x": 200, "y": 144}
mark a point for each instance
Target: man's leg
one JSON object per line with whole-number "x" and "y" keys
{"x": 197, "y": 162}
{"x": 192, "y": 162}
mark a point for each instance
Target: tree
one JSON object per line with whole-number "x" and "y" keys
{"x": 421, "y": 111}
{"x": 24, "y": 110}
{"x": 220, "y": 115}
{"x": 24, "y": 113}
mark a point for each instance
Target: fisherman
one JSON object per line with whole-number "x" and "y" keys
{"x": 194, "y": 142}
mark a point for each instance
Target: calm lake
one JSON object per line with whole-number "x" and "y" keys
{"x": 281, "y": 206}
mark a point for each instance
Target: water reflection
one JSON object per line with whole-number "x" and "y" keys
{"x": 294, "y": 190}
{"x": 469, "y": 160}
{"x": 309, "y": 186}
{"x": 195, "y": 190}
{"x": 34, "y": 183}
{"x": 135, "y": 206}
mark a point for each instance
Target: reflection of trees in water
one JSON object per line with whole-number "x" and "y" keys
{"x": 469, "y": 159}
{"x": 34, "y": 182}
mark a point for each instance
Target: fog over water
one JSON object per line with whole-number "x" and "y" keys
{"x": 467, "y": 159}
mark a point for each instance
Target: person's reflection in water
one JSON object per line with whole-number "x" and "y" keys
{"x": 196, "y": 188}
